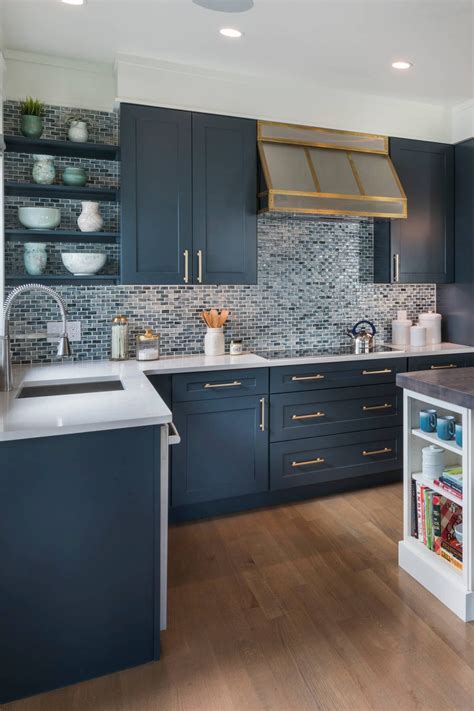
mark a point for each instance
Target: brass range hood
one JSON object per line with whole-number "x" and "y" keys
{"x": 319, "y": 171}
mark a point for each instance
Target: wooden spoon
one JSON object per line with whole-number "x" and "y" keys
{"x": 223, "y": 317}
{"x": 214, "y": 318}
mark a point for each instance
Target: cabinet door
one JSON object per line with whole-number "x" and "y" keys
{"x": 224, "y": 200}
{"x": 223, "y": 450}
{"x": 423, "y": 244}
{"x": 156, "y": 195}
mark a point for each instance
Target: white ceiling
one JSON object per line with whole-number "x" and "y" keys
{"x": 344, "y": 44}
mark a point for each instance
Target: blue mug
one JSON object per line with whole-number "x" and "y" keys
{"x": 446, "y": 427}
{"x": 459, "y": 435}
{"x": 428, "y": 420}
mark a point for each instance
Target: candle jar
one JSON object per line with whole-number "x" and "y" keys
{"x": 148, "y": 345}
{"x": 119, "y": 350}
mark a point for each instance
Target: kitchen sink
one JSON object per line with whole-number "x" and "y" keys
{"x": 97, "y": 386}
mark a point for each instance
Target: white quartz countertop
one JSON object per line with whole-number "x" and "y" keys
{"x": 138, "y": 404}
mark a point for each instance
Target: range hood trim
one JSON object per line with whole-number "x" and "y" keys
{"x": 322, "y": 144}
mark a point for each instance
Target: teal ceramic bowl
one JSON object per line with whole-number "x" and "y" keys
{"x": 39, "y": 218}
{"x": 75, "y": 177}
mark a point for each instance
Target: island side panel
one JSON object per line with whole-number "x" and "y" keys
{"x": 79, "y": 550}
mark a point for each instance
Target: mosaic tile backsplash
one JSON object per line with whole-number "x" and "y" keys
{"x": 314, "y": 280}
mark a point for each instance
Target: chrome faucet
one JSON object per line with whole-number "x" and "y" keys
{"x": 64, "y": 347}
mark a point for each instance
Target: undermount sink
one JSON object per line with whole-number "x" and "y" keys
{"x": 97, "y": 386}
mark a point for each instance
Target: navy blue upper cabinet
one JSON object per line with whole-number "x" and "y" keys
{"x": 419, "y": 249}
{"x": 189, "y": 212}
{"x": 224, "y": 199}
{"x": 156, "y": 195}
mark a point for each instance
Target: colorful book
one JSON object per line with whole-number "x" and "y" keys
{"x": 419, "y": 510}
{"x": 448, "y": 489}
{"x": 414, "y": 512}
{"x": 428, "y": 494}
{"x": 436, "y": 519}
{"x": 450, "y": 558}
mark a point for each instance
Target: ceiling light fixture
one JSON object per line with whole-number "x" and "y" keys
{"x": 402, "y": 65}
{"x": 229, "y": 32}
{"x": 73, "y": 2}
{"x": 225, "y": 5}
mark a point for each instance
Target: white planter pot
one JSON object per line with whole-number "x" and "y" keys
{"x": 78, "y": 132}
{"x": 214, "y": 343}
{"x": 90, "y": 219}
{"x": 44, "y": 171}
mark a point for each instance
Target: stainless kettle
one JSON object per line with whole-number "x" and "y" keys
{"x": 363, "y": 341}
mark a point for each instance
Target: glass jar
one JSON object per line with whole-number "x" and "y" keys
{"x": 119, "y": 349}
{"x": 148, "y": 345}
{"x": 236, "y": 346}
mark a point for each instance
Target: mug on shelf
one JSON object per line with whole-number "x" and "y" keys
{"x": 459, "y": 435}
{"x": 446, "y": 427}
{"x": 428, "y": 420}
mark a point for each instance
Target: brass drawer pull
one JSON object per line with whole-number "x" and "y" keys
{"x": 386, "y": 371}
{"x": 234, "y": 384}
{"x": 319, "y": 460}
{"x": 297, "y": 378}
{"x": 386, "y": 450}
{"x": 262, "y": 414}
{"x": 443, "y": 367}
{"x": 311, "y": 416}
{"x": 385, "y": 406}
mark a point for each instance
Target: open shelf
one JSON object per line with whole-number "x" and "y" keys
{"x": 25, "y": 235}
{"x": 45, "y": 146}
{"x": 434, "y": 560}
{"x": 418, "y": 476}
{"x": 66, "y": 192}
{"x": 67, "y": 279}
{"x": 433, "y": 438}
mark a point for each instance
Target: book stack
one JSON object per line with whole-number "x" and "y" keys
{"x": 451, "y": 481}
{"x": 436, "y": 517}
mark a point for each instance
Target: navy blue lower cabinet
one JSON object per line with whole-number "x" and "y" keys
{"x": 444, "y": 362}
{"x": 343, "y": 456}
{"x": 223, "y": 450}
{"x": 310, "y": 414}
{"x": 79, "y": 552}
{"x": 219, "y": 383}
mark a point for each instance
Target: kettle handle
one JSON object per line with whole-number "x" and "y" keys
{"x": 359, "y": 323}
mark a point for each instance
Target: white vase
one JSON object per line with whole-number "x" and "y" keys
{"x": 78, "y": 132}
{"x": 35, "y": 258}
{"x": 90, "y": 219}
{"x": 214, "y": 343}
{"x": 44, "y": 171}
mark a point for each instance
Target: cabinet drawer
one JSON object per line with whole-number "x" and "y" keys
{"x": 461, "y": 360}
{"x": 312, "y": 414}
{"x": 320, "y": 376}
{"x": 322, "y": 459}
{"x": 219, "y": 384}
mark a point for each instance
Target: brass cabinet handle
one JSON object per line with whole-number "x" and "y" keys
{"x": 385, "y": 450}
{"x": 233, "y": 384}
{"x": 386, "y": 371}
{"x": 186, "y": 266}
{"x": 262, "y": 414}
{"x": 199, "y": 256}
{"x": 396, "y": 268}
{"x": 319, "y": 460}
{"x": 443, "y": 367}
{"x": 385, "y": 406}
{"x": 297, "y": 378}
{"x": 311, "y": 416}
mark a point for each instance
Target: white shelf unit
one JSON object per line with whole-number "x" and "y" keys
{"x": 453, "y": 587}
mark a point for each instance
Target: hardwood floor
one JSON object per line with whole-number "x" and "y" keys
{"x": 292, "y": 608}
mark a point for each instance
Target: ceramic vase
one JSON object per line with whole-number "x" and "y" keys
{"x": 35, "y": 258}
{"x": 90, "y": 219}
{"x": 78, "y": 132}
{"x": 214, "y": 344}
{"x": 44, "y": 171}
{"x": 31, "y": 126}
{"x": 74, "y": 176}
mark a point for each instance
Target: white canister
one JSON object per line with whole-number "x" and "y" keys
{"x": 214, "y": 343}
{"x": 433, "y": 461}
{"x": 401, "y": 329}
{"x": 418, "y": 336}
{"x": 432, "y": 322}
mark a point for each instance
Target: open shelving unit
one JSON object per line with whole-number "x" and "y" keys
{"x": 96, "y": 151}
{"x": 453, "y": 587}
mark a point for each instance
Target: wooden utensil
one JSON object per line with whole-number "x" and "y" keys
{"x": 214, "y": 318}
{"x": 224, "y": 315}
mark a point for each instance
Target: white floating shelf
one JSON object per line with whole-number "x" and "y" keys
{"x": 433, "y": 438}
{"x": 418, "y": 476}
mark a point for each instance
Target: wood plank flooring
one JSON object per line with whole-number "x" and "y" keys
{"x": 294, "y": 608}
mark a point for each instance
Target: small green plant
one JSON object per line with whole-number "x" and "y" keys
{"x": 32, "y": 107}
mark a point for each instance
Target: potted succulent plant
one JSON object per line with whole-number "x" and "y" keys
{"x": 32, "y": 111}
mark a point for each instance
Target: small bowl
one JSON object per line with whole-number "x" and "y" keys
{"x": 458, "y": 532}
{"x": 83, "y": 263}
{"x": 74, "y": 176}
{"x": 39, "y": 218}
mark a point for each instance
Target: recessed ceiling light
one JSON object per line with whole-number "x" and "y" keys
{"x": 74, "y": 2}
{"x": 225, "y": 5}
{"x": 402, "y": 65}
{"x": 230, "y": 32}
